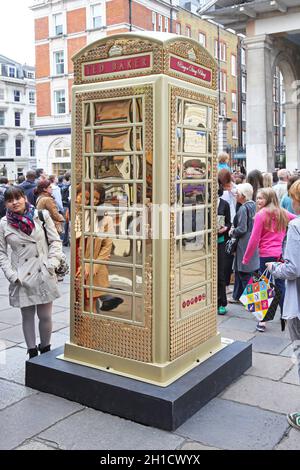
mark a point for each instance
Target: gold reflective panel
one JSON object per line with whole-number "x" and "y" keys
{"x": 179, "y": 139}
{"x": 209, "y": 143}
{"x": 113, "y": 112}
{"x": 119, "y": 195}
{"x": 113, "y": 167}
{"x": 88, "y": 147}
{"x": 113, "y": 140}
{"x": 139, "y": 110}
{"x": 193, "y": 274}
{"x": 209, "y": 118}
{"x": 139, "y": 167}
{"x": 194, "y": 168}
{"x": 139, "y": 309}
{"x": 87, "y": 168}
{"x": 195, "y": 115}
{"x": 139, "y": 139}
{"x": 87, "y": 115}
{"x": 120, "y": 278}
{"x": 194, "y": 220}
{"x": 179, "y": 111}
{"x": 194, "y": 141}
{"x": 139, "y": 281}
{"x": 193, "y": 301}
{"x": 122, "y": 251}
{"x": 193, "y": 247}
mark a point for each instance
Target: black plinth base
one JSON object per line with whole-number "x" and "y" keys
{"x": 161, "y": 407}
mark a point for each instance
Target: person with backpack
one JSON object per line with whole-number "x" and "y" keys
{"x": 65, "y": 196}
{"x": 28, "y": 186}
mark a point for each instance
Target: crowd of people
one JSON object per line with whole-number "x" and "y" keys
{"x": 262, "y": 221}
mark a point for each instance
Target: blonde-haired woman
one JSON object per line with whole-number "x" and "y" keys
{"x": 269, "y": 229}
{"x": 267, "y": 180}
{"x": 223, "y": 161}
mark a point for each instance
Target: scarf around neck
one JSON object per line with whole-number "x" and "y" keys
{"x": 23, "y": 222}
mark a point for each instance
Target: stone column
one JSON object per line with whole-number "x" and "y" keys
{"x": 259, "y": 147}
{"x": 292, "y": 136}
{"x": 222, "y": 134}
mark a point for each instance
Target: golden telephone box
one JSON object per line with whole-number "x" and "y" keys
{"x": 144, "y": 195}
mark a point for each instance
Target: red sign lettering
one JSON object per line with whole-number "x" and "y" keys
{"x": 117, "y": 65}
{"x": 190, "y": 69}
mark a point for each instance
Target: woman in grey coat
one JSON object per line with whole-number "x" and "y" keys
{"x": 31, "y": 267}
{"x": 290, "y": 271}
{"x": 243, "y": 224}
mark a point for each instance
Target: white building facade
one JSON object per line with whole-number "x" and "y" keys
{"x": 17, "y": 118}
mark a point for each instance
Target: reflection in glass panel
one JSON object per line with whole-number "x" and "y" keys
{"x": 179, "y": 111}
{"x": 87, "y": 304}
{"x": 139, "y": 281}
{"x": 113, "y": 112}
{"x": 120, "y": 278}
{"x": 177, "y": 251}
{"x": 114, "y": 167}
{"x": 87, "y": 116}
{"x": 209, "y": 118}
{"x": 208, "y": 218}
{"x": 111, "y": 140}
{"x": 209, "y": 294}
{"x": 139, "y": 193}
{"x": 178, "y": 193}
{"x": 209, "y": 143}
{"x": 139, "y": 309}
{"x": 178, "y": 139}
{"x": 194, "y": 141}
{"x": 139, "y": 244}
{"x": 193, "y": 193}
{"x": 122, "y": 251}
{"x": 193, "y": 220}
{"x": 118, "y": 195}
{"x": 87, "y": 274}
{"x": 208, "y": 269}
{"x": 195, "y": 115}
{"x": 177, "y": 279}
{"x": 87, "y": 221}
{"x": 179, "y": 169}
{"x": 139, "y": 110}
{"x": 111, "y": 304}
{"x": 178, "y": 223}
{"x": 193, "y": 247}
{"x": 193, "y": 274}
{"x": 87, "y": 168}
{"x": 139, "y": 167}
{"x": 193, "y": 301}
{"x": 208, "y": 247}
{"x": 88, "y": 147}
{"x": 139, "y": 139}
{"x": 194, "y": 168}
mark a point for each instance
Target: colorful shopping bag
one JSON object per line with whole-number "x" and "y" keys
{"x": 261, "y": 297}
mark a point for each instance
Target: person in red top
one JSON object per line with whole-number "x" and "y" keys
{"x": 269, "y": 229}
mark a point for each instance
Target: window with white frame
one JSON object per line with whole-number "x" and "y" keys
{"x": 243, "y": 56}
{"x": 58, "y": 24}
{"x": 18, "y": 147}
{"x": 1, "y": 93}
{"x": 243, "y": 138}
{"x": 62, "y": 153}
{"x": 17, "y": 95}
{"x": 243, "y": 84}
{"x": 166, "y": 24}
{"x": 223, "y": 51}
{"x": 159, "y": 23}
{"x": 17, "y": 119}
{"x": 59, "y": 62}
{"x": 12, "y": 71}
{"x": 178, "y": 28}
{"x": 233, "y": 65}
{"x": 243, "y": 111}
{"x": 153, "y": 21}
{"x": 202, "y": 39}
{"x": 30, "y": 75}
{"x": 31, "y": 119}
{"x": 2, "y": 117}
{"x": 2, "y": 148}
{"x": 31, "y": 95}
{"x": 32, "y": 148}
{"x": 234, "y": 130}
{"x": 233, "y": 101}
{"x": 97, "y": 16}
{"x": 188, "y": 31}
{"x": 60, "y": 101}
{"x": 216, "y": 49}
{"x": 223, "y": 81}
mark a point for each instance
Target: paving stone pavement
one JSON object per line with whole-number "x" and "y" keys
{"x": 256, "y": 403}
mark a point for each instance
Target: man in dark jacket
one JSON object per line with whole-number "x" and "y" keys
{"x": 28, "y": 186}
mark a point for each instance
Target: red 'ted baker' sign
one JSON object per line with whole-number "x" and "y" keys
{"x": 117, "y": 65}
{"x": 176, "y": 63}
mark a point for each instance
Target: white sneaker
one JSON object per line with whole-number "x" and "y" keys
{"x": 231, "y": 300}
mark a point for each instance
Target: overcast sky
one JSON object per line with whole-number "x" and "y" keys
{"x": 16, "y": 31}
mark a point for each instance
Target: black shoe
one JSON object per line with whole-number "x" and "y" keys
{"x": 107, "y": 302}
{"x": 33, "y": 352}
{"x": 45, "y": 349}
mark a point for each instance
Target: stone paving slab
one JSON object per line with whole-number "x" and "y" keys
{"x": 4, "y": 326}
{"x": 62, "y": 317}
{"x": 57, "y": 339}
{"x": 265, "y": 394}
{"x": 34, "y": 444}
{"x": 193, "y": 445}
{"x": 93, "y": 429}
{"x": 290, "y": 442}
{"x": 269, "y": 366}
{"x": 14, "y": 367}
{"x": 269, "y": 344}
{"x": 11, "y": 393}
{"x": 11, "y": 316}
{"x": 228, "y": 425}
{"x": 31, "y": 416}
{"x": 241, "y": 325}
{"x": 288, "y": 352}
{"x": 292, "y": 377}
{"x": 12, "y": 333}
{"x": 4, "y": 344}
{"x": 237, "y": 335}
